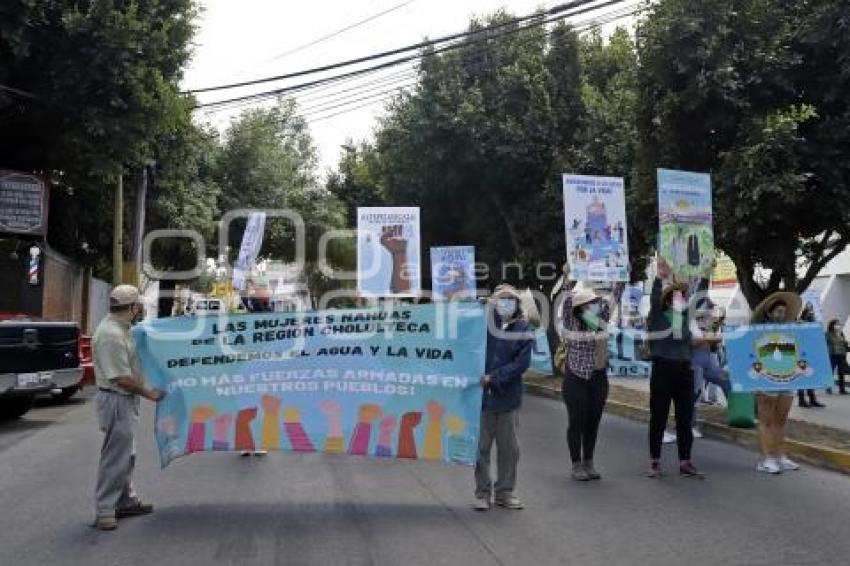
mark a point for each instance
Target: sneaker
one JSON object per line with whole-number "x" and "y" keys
{"x": 688, "y": 470}
{"x": 481, "y": 504}
{"x": 768, "y": 466}
{"x": 592, "y": 474}
{"x": 787, "y": 464}
{"x": 133, "y": 510}
{"x": 245, "y": 454}
{"x": 654, "y": 470}
{"x": 697, "y": 433}
{"x": 669, "y": 438}
{"x": 579, "y": 472}
{"x": 260, "y": 452}
{"x": 803, "y": 404}
{"x": 105, "y": 523}
{"x": 817, "y": 404}
{"x": 510, "y": 502}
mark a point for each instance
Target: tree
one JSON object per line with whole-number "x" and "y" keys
{"x": 473, "y": 146}
{"x": 102, "y": 82}
{"x": 268, "y": 161}
{"x": 358, "y": 181}
{"x": 749, "y": 91}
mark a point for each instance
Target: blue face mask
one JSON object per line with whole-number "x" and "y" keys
{"x": 505, "y": 308}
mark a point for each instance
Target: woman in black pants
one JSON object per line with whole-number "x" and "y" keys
{"x": 585, "y": 386}
{"x": 671, "y": 379}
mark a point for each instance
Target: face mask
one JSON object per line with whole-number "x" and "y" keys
{"x": 591, "y": 320}
{"x": 138, "y": 314}
{"x": 505, "y": 307}
{"x": 678, "y": 303}
{"x": 593, "y": 309}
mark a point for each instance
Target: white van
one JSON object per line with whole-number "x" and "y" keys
{"x": 201, "y": 307}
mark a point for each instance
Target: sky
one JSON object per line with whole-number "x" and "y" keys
{"x": 249, "y": 39}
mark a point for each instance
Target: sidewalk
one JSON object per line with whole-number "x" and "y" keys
{"x": 818, "y": 436}
{"x": 836, "y": 414}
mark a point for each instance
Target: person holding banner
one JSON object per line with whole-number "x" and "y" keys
{"x": 120, "y": 384}
{"x": 671, "y": 379}
{"x": 509, "y": 343}
{"x": 584, "y": 351}
{"x": 774, "y": 407}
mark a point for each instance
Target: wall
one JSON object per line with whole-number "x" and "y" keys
{"x": 98, "y": 303}
{"x": 63, "y": 288}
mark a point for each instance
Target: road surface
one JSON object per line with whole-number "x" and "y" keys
{"x": 313, "y": 509}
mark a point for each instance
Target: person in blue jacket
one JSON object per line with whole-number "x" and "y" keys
{"x": 509, "y": 343}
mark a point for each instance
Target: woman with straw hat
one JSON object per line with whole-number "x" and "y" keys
{"x": 773, "y": 407}
{"x": 671, "y": 380}
{"x": 585, "y": 318}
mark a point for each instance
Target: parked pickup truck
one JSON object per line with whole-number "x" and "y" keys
{"x": 37, "y": 357}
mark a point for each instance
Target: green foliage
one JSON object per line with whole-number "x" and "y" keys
{"x": 751, "y": 92}
{"x": 268, "y": 161}
{"x": 105, "y": 78}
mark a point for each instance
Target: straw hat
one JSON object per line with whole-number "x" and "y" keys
{"x": 583, "y": 295}
{"x": 793, "y": 303}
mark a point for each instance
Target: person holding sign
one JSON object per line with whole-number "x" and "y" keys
{"x": 671, "y": 379}
{"x": 509, "y": 342}
{"x": 583, "y": 357}
{"x": 774, "y": 407}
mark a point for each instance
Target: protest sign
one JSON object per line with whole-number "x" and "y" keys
{"x": 400, "y": 383}
{"x": 252, "y": 241}
{"x": 595, "y": 227}
{"x": 686, "y": 236}
{"x": 778, "y": 357}
{"x": 453, "y": 273}
{"x": 388, "y": 258}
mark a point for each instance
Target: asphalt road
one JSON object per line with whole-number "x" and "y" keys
{"x": 315, "y": 509}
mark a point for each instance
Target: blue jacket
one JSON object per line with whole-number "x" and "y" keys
{"x": 507, "y": 359}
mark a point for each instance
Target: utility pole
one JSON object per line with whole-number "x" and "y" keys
{"x": 117, "y": 232}
{"x": 139, "y": 221}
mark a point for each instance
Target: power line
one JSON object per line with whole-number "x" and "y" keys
{"x": 581, "y": 26}
{"x": 593, "y": 24}
{"x": 341, "y": 31}
{"x": 395, "y": 62}
{"x": 19, "y": 92}
{"x": 414, "y": 47}
{"x": 336, "y": 104}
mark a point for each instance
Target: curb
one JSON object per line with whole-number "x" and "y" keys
{"x": 813, "y": 454}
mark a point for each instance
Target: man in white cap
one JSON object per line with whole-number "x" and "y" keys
{"x": 120, "y": 384}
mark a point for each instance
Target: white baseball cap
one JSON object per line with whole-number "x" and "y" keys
{"x": 124, "y": 295}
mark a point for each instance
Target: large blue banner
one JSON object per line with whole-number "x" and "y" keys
{"x": 401, "y": 382}
{"x": 778, "y": 357}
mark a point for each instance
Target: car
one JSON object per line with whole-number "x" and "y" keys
{"x": 37, "y": 357}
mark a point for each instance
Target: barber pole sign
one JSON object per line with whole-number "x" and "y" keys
{"x": 35, "y": 252}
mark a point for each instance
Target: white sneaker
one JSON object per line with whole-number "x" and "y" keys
{"x": 669, "y": 438}
{"x": 697, "y": 433}
{"x": 769, "y": 466}
{"x": 787, "y": 464}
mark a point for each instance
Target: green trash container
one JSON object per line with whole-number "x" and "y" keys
{"x": 741, "y": 412}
